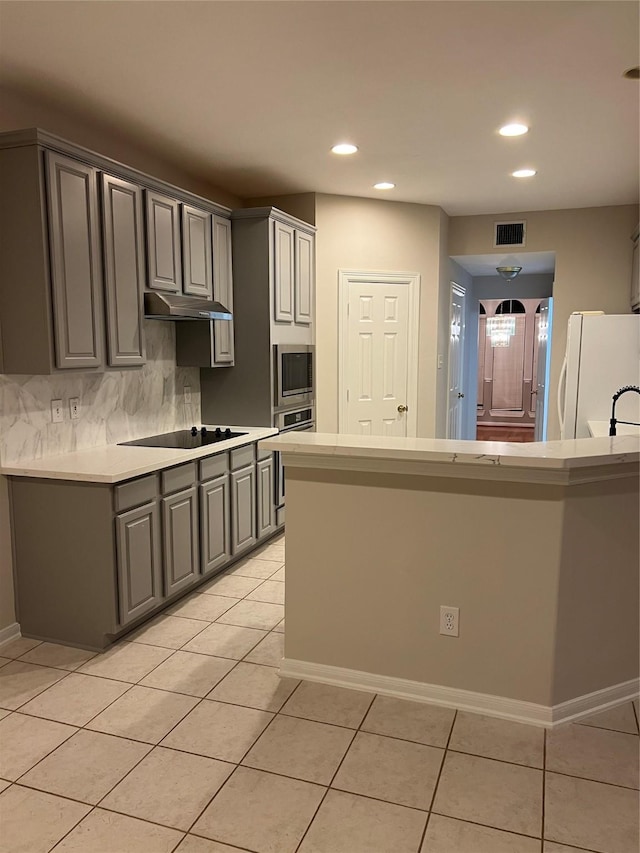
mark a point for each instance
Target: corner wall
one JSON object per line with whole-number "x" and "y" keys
{"x": 593, "y": 263}
{"x": 368, "y": 234}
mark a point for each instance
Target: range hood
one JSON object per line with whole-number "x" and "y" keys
{"x": 171, "y": 306}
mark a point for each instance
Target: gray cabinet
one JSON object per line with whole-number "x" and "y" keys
{"x": 164, "y": 256}
{"x": 283, "y": 272}
{"x": 76, "y": 275}
{"x": 180, "y": 539}
{"x": 138, "y": 562}
{"x": 196, "y": 252}
{"x": 222, "y": 290}
{"x": 124, "y": 271}
{"x": 243, "y": 512}
{"x": 304, "y": 280}
{"x": 264, "y": 498}
{"x": 215, "y": 524}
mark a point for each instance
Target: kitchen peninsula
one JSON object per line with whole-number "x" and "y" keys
{"x": 535, "y": 544}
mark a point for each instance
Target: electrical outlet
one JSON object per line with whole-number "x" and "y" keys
{"x": 56, "y": 411}
{"x": 187, "y": 394}
{"x": 449, "y": 620}
{"x": 74, "y": 408}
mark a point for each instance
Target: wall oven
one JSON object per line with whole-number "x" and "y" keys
{"x": 300, "y": 419}
{"x": 294, "y": 375}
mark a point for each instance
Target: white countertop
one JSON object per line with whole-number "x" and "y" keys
{"x": 435, "y": 456}
{"x": 113, "y": 463}
{"x": 601, "y": 428}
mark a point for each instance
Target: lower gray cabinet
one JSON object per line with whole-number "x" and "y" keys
{"x": 265, "y": 493}
{"x": 243, "y": 512}
{"x": 180, "y": 539}
{"x": 138, "y": 561}
{"x": 215, "y": 524}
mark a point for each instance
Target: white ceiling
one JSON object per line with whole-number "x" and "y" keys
{"x": 253, "y": 94}
{"x": 531, "y": 263}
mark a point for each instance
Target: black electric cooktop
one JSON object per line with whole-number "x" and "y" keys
{"x": 186, "y": 439}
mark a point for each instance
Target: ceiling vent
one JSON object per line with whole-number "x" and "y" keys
{"x": 509, "y": 233}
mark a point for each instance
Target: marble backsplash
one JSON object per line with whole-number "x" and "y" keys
{"x": 114, "y": 406}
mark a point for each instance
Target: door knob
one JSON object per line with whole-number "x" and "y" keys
{"x": 460, "y": 396}
{"x": 403, "y": 409}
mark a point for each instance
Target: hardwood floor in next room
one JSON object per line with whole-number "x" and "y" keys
{"x": 504, "y": 433}
{"x": 183, "y": 738}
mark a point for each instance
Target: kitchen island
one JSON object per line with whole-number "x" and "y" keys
{"x": 535, "y": 544}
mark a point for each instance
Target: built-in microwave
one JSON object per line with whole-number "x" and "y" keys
{"x": 293, "y": 374}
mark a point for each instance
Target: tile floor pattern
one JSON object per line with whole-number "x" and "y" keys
{"x": 183, "y": 738}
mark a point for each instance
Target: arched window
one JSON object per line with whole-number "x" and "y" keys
{"x": 482, "y": 310}
{"x": 511, "y": 306}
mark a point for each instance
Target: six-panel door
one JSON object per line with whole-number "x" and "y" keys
{"x": 123, "y": 246}
{"x": 243, "y": 508}
{"x": 76, "y": 274}
{"x": 180, "y": 539}
{"x": 139, "y": 561}
{"x": 265, "y": 493}
{"x": 164, "y": 257}
{"x": 215, "y": 524}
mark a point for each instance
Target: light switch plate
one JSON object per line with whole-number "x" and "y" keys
{"x": 74, "y": 408}
{"x": 187, "y": 394}
{"x": 56, "y": 412}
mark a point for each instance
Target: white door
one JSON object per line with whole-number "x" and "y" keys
{"x": 543, "y": 332}
{"x": 379, "y": 355}
{"x": 455, "y": 406}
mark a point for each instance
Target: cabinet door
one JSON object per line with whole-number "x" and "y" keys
{"x": 76, "y": 274}
{"x": 283, "y": 271}
{"x": 124, "y": 271}
{"x": 265, "y": 495}
{"x": 164, "y": 258}
{"x": 215, "y": 524}
{"x": 196, "y": 252}
{"x": 180, "y": 539}
{"x": 138, "y": 555}
{"x": 304, "y": 278}
{"x": 243, "y": 508}
{"x": 222, "y": 289}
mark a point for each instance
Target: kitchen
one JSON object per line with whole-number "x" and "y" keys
{"x": 355, "y": 233}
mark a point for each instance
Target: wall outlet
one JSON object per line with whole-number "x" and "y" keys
{"x": 56, "y": 411}
{"x": 187, "y": 394}
{"x": 449, "y": 620}
{"x": 74, "y": 408}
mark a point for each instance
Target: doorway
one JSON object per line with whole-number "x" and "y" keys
{"x": 378, "y": 352}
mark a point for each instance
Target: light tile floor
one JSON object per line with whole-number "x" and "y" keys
{"x": 183, "y": 738}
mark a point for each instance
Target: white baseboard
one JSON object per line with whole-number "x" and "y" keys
{"x": 464, "y": 700}
{"x": 8, "y": 634}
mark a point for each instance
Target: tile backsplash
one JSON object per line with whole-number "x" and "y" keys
{"x": 114, "y": 406}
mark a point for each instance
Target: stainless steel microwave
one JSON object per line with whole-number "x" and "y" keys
{"x": 293, "y": 374}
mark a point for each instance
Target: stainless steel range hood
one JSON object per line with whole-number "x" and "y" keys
{"x": 171, "y": 306}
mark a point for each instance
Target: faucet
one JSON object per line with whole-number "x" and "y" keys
{"x": 616, "y": 397}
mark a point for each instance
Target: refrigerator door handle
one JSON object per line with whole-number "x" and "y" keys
{"x": 562, "y": 394}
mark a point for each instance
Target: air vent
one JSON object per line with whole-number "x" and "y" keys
{"x": 509, "y": 233}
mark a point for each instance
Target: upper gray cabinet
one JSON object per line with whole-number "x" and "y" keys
{"x": 222, "y": 289}
{"x": 283, "y": 272}
{"x": 304, "y": 280}
{"x": 123, "y": 245}
{"x": 76, "y": 276}
{"x": 196, "y": 252}
{"x": 164, "y": 256}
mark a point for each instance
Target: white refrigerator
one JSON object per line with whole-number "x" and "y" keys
{"x": 603, "y": 355}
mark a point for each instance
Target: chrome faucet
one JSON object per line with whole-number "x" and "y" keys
{"x": 616, "y": 397}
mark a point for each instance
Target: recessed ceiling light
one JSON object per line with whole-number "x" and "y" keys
{"x": 384, "y": 185}
{"x": 513, "y": 130}
{"x": 344, "y": 148}
{"x": 524, "y": 173}
{"x": 632, "y": 73}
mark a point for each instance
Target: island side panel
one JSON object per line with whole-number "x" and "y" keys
{"x": 371, "y": 557}
{"x": 64, "y": 561}
{"x": 597, "y": 632}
